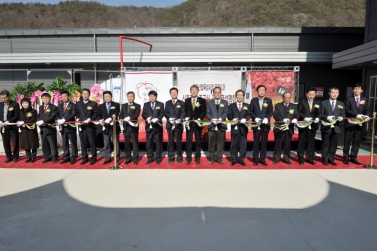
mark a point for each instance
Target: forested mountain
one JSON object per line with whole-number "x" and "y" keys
{"x": 191, "y": 13}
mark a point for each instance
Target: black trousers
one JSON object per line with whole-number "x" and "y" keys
{"x": 216, "y": 144}
{"x": 31, "y": 153}
{"x": 177, "y": 135}
{"x": 282, "y": 140}
{"x": 156, "y": 138}
{"x": 14, "y": 136}
{"x": 329, "y": 145}
{"x": 87, "y": 135}
{"x": 130, "y": 135}
{"x": 108, "y": 149}
{"x": 306, "y": 143}
{"x": 49, "y": 144}
{"x": 352, "y": 136}
{"x": 194, "y": 130}
{"x": 260, "y": 144}
{"x": 238, "y": 145}
{"x": 69, "y": 136}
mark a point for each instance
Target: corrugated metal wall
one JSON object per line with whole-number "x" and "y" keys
{"x": 371, "y": 20}
{"x": 8, "y": 79}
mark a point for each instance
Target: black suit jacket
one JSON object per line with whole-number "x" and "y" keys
{"x": 281, "y": 113}
{"x": 114, "y": 110}
{"x": 304, "y": 111}
{"x": 13, "y": 114}
{"x": 176, "y": 111}
{"x": 266, "y": 112}
{"x": 133, "y": 114}
{"x": 87, "y": 111}
{"x": 158, "y": 113}
{"x": 352, "y": 110}
{"x": 326, "y": 110}
{"x": 200, "y": 110}
{"x": 233, "y": 113}
{"x": 68, "y": 115}
{"x": 49, "y": 117}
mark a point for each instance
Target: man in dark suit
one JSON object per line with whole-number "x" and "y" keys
{"x": 355, "y": 106}
{"x": 106, "y": 110}
{"x": 67, "y": 112}
{"x": 217, "y": 111}
{"x": 48, "y": 114}
{"x": 309, "y": 110}
{"x": 86, "y": 112}
{"x": 285, "y": 112}
{"x": 331, "y": 110}
{"x": 9, "y": 113}
{"x": 195, "y": 110}
{"x": 174, "y": 113}
{"x": 261, "y": 112}
{"x": 153, "y": 112}
{"x": 239, "y": 112}
{"x": 130, "y": 113}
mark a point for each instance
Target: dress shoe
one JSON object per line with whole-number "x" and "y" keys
{"x": 32, "y": 160}
{"x": 211, "y": 162}
{"x": 263, "y": 162}
{"x": 54, "y": 161}
{"x": 149, "y": 161}
{"x": 45, "y": 161}
{"x": 92, "y": 161}
{"x": 242, "y": 163}
{"x": 136, "y": 162}
{"x": 332, "y": 162}
{"x": 255, "y": 163}
{"x": 276, "y": 162}
{"x": 188, "y": 162}
{"x": 325, "y": 163}
{"x": 128, "y": 161}
{"x": 64, "y": 161}
{"x": 232, "y": 163}
{"x": 28, "y": 160}
{"x": 73, "y": 162}
{"x": 353, "y": 160}
{"x": 301, "y": 161}
{"x": 170, "y": 161}
{"x": 179, "y": 161}
{"x": 346, "y": 161}
{"x": 84, "y": 161}
{"x": 220, "y": 162}
{"x": 288, "y": 162}
{"x": 158, "y": 162}
{"x": 8, "y": 160}
{"x": 15, "y": 160}
{"x": 106, "y": 162}
{"x": 311, "y": 162}
{"x": 197, "y": 161}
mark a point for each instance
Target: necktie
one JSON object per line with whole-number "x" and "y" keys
{"x": 193, "y": 103}
{"x": 239, "y": 107}
{"x": 217, "y": 105}
{"x": 108, "y": 108}
{"x": 333, "y": 106}
{"x": 44, "y": 109}
{"x": 357, "y": 102}
{"x": 65, "y": 107}
{"x": 310, "y": 105}
{"x": 173, "y": 102}
{"x": 128, "y": 108}
{"x": 152, "y": 106}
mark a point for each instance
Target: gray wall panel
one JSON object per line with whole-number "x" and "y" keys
{"x": 371, "y": 21}
{"x": 5, "y": 45}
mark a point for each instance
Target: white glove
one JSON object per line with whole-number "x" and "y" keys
{"x": 265, "y": 121}
{"x": 307, "y": 119}
{"x": 294, "y": 121}
{"x": 1, "y": 123}
{"x": 107, "y": 121}
{"x": 6, "y": 123}
{"x": 154, "y": 120}
{"x": 40, "y": 122}
{"x": 187, "y": 119}
{"x": 198, "y": 119}
{"x": 127, "y": 119}
{"x": 330, "y": 118}
{"x": 316, "y": 120}
{"x": 235, "y": 119}
{"x": 340, "y": 119}
{"x": 258, "y": 120}
{"x": 243, "y": 121}
{"x": 86, "y": 121}
{"x": 359, "y": 116}
{"x": 111, "y": 123}
{"x": 214, "y": 121}
{"x": 149, "y": 120}
{"x": 219, "y": 120}
{"x": 366, "y": 117}
{"x": 171, "y": 120}
{"x": 20, "y": 123}
{"x": 285, "y": 120}
{"x": 178, "y": 121}
{"x": 61, "y": 121}
{"x": 77, "y": 119}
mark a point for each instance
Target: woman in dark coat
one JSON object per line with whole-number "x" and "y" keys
{"x": 29, "y": 132}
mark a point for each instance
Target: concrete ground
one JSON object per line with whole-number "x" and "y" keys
{"x": 188, "y": 209}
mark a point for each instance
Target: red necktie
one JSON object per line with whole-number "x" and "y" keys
{"x": 44, "y": 110}
{"x": 239, "y": 107}
{"x": 64, "y": 107}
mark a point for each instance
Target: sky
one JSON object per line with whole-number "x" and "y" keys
{"x": 139, "y": 3}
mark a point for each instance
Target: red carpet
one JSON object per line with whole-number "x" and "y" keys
{"x": 204, "y": 164}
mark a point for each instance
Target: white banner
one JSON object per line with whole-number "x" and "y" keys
{"x": 229, "y": 81}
